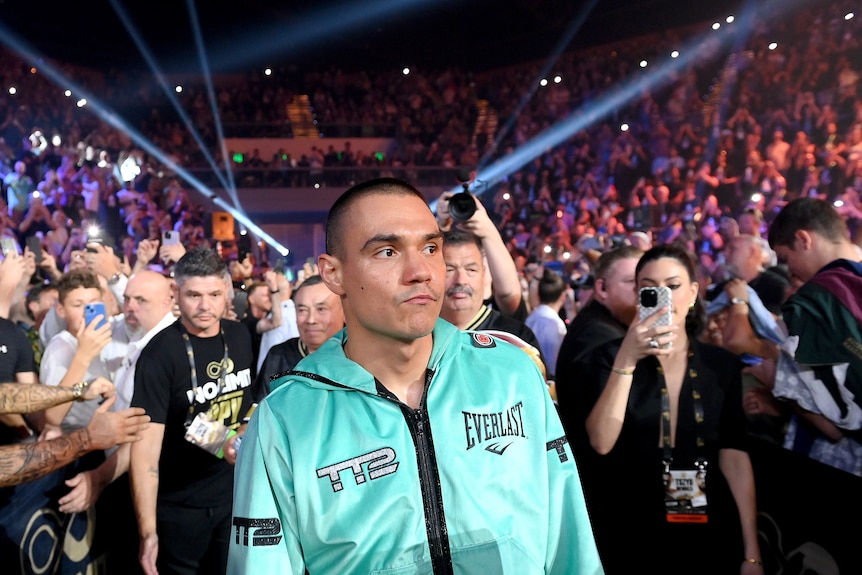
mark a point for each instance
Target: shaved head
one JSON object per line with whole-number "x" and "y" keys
{"x": 146, "y": 301}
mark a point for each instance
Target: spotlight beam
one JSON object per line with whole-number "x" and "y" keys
{"x": 30, "y": 55}
{"x": 572, "y": 30}
{"x": 313, "y": 27}
{"x": 151, "y": 62}
{"x": 199, "y": 42}
{"x": 625, "y": 93}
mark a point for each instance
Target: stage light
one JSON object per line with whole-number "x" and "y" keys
{"x": 10, "y": 39}
{"x": 643, "y": 63}
{"x": 56, "y": 140}
{"x": 13, "y": 90}
{"x": 756, "y": 197}
{"x": 624, "y": 127}
{"x": 572, "y": 29}
{"x": 729, "y": 19}
{"x": 838, "y": 203}
{"x": 67, "y": 93}
{"x": 773, "y": 45}
{"x": 674, "y": 54}
{"x": 547, "y": 249}
{"x": 82, "y": 102}
{"x": 243, "y": 232}
{"x": 849, "y": 16}
{"x": 267, "y": 72}
{"x": 507, "y": 196}
{"x": 316, "y": 186}
{"x": 169, "y": 91}
{"x": 405, "y": 71}
{"x": 543, "y": 82}
{"x": 33, "y": 70}
{"x": 567, "y": 255}
{"x": 229, "y": 185}
{"x": 716, "y": 25}
{"x": 558, "y": 79}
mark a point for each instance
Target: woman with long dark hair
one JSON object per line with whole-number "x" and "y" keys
{"x": 672, "y": 487}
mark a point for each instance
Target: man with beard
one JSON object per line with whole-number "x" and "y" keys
{"x": 194, "y": 380}
{"x": 146, "y": 311}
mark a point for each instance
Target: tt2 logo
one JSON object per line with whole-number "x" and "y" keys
{"x": 266, "y": 531}
{"x": 379, "y": 463}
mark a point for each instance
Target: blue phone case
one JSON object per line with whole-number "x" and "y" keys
{"x": 91, "y": 310}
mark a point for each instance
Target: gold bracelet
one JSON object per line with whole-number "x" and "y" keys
{"x": 754, "y": 561}
{"x": 623, "y": 371}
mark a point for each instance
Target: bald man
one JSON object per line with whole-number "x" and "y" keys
{"x": 146, "y": 311}
{"x": 147, "y": 304}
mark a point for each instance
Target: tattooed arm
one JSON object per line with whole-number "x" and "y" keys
{"x": 27, "y": 398}
{"x": 28, "y": 461}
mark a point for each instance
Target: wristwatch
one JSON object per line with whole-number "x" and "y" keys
{"x": 738, "y": 300}
{"x": 78, "y": 390}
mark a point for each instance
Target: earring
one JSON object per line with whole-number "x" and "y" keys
{"x": 691, "y": 306}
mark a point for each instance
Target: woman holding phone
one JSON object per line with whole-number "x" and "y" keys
{"x": 672, "y": 481}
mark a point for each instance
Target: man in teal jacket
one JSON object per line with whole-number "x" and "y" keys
{"x": 404, "y": 445}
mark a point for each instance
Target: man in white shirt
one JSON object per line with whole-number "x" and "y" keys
{"x": 146, "y": 311}
{"x": 545, "y": 320}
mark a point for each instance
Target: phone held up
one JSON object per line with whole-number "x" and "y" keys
{"x": 35, "y": 247}
{"x": 650, "y": 300}
{"x": 8, "y": 246}
{"x": 91, "y": 310}
{"x": 170, "y": 238}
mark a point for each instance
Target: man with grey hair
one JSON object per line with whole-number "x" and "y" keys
{"x": 194, "y": 379}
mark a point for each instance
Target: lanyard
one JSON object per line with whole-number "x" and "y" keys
{"x": 667, "y": 459}
{"x": 194, "y": 372}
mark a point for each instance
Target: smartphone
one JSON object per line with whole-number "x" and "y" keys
{"x": 35, "y": 247}
{"x": 170, "y": 238}
{"x": 650, "y": 300}
{"x": 91, "y": 310}
{"x": 8, "y": 246}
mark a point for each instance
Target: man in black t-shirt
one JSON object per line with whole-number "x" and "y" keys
{"x": 16, "y": 364}
{"x": 182, "y": 483}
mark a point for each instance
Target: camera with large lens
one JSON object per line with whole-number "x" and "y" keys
{"x": 462, "y": 206}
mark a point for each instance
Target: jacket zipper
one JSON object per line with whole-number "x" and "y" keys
{"x": 429, "y": 476}
{"x": 429, "y": 481}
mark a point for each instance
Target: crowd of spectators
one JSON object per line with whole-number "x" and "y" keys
{"x": 716, "y": 150}
{"x": 737, "y": 130}
{"x": 708, "y": 143}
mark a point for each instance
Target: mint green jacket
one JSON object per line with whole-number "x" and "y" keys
{"x": 335, "y": 475}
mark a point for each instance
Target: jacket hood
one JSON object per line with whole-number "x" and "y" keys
{"x": 329, "y": 368}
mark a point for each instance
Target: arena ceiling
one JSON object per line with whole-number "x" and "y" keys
{"x": 240, "y": 34}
